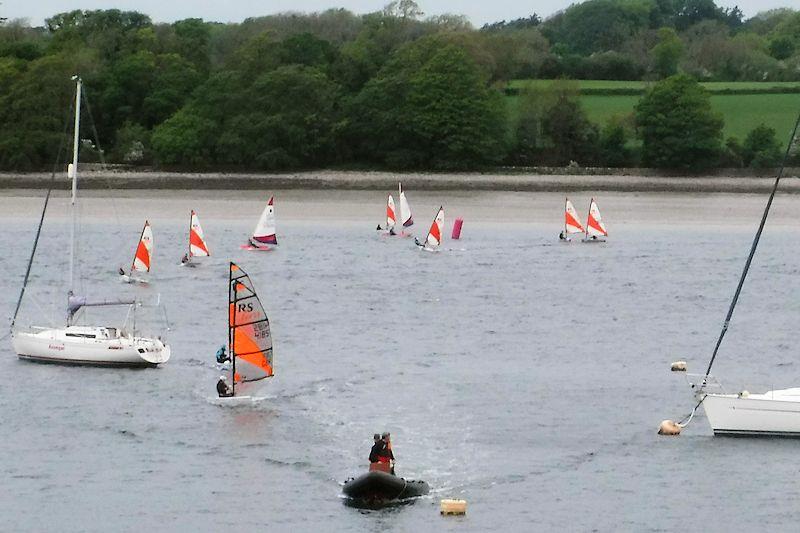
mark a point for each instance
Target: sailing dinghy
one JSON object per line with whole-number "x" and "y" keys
{"x": 390, "y": 218}
{"x": 249, "y": 337}
{"x": 434, "y": 238}
{"x": 141, "y": 258}
{"x": 595, "y": 229}
{"x": 83, "y": 344}
{"x": 197, "y": 242}
{"x": 264, "y": 234}
{"x": 571, "y": 223}
{"x": 406, "y": 218}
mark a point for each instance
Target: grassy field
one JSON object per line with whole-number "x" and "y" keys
{"x": 741, "y": 112}
{"x": 590, "y": 86}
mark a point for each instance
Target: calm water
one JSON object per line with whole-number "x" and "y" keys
{"x": 526, "y": 377}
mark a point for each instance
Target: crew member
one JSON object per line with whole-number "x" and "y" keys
{"x": 221, "y": 355}
{"x": 377, "y": 448}
{"x": 378, "y": 228}
{"x": 561, "y": 236}
{"x": 185, "y": 259}
{"x": 222, "y": 388}
{"x": 121, "y": 271}
{"x": 386, "y": 455}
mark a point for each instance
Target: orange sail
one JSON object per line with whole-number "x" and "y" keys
{"x": 144, "y": 251}
{"x": 594, "y": 224}
{"x": 197, "y": 242}
{"x": 571, "y": 223}
{"x": 249, "y": 337}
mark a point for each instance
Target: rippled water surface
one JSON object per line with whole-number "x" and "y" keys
{"x": 524, "y": 376}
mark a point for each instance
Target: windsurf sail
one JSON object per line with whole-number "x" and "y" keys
{"x": 434, "y": 238}
{"x": 405, "y": 210}
{"x": 249, "y": 338}
{"x": 390, "y": 218}
{"x": 265, "y": 229}
{"x": 144, "y": 251}
{"x": 594, "y": 225}
{"x": 571, "y": 224}
{"x": 197, "y": 242}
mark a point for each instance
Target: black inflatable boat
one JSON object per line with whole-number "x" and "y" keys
{"x": 377, "y": 487}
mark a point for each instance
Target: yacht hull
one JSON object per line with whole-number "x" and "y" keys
{"x": 772, "y": 414}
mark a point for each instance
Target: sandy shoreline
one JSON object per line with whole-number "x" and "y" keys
{"x": 358, "y": 180}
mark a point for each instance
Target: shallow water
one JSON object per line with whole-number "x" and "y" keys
{"x": 524, "y": 376}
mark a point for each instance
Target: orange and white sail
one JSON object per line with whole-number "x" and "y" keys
{"x": 265, "y": 229}
{"x": 144, "y": 251}
{"x": 406, "y": 218}
{"x": 571, "y": 223}
{"x": 197, "y": 241}
{"x": 390, "y": 218}
{"x": 594, "y": 225}
{"x": 434, "y": 238}
{"x": 249, "y": 337}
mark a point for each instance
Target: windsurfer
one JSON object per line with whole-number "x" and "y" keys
{"x": 222, "y": 357}
{"x": 223, "y": 389}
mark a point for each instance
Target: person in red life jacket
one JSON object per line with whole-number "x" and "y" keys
{"x": 386, "y": 455}
{"x": 377, "y": 448}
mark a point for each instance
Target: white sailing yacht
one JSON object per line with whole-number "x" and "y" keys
{"x": 197, "y": 242}
{"x": 84, "y": 344}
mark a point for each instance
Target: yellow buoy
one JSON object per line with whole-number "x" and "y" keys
{"x": 678, "y": 366}
{"x": 453, "y": 507}
{"x": 668, "y": 427}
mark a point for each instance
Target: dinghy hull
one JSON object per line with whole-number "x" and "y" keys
{"x": 772, "y": 414}
{"x": 377, "y": 487}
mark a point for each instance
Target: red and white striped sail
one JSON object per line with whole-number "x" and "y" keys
{"x": 406, "y": 218}
{"x": 144, "y": 251}
{"x": 594, "y": 225}
{"x": 390, "y": 218}
{"x": 197, "y": 242}
{"x": 265, "y": 229}
{"x": 434, "y": 238}
{"x": 571, "y": 223}
{"x": 250, "y": 340}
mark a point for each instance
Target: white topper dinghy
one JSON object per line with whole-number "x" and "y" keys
{"x": 249, "y": 338}
{"x": 197, "y": 242}
{"x": 571, "y": 223}
{"x": 83, "y": 344}
{"x": 390, "y": 218}
{"x": 434, "y": 239}
{"x": 264, "y": 234}
{"x": 141, "y": 258}
{"x": 595, "y": 229}
{"x": 406, "y": 218}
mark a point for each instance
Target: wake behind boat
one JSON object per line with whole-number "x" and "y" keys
{"x": 83, "y": 344}
{"x": 264, "y": 235}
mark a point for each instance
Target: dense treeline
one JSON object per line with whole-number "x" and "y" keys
{"x": 385, "y": 89}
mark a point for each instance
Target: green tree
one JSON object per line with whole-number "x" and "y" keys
{"x": 570, "y": 135}
{"x": 614, "y": 151}
{"x": 185, "y": 139}
{"x": 667, "y": 53}
{"x": 761, "y": 148}
{"x": 677, "y": 126}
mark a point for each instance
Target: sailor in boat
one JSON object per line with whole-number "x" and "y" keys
{"x": 121, "y": 271}
{"x": 562, "y": 237}
{"x": 223, "y": 389}
{"x": 386, "y": 456}
{"x": 185, "y": 259}
{"x": 222, "y": 357}
{"x": 378, "y": 228}
{"x": 377, "y": 448}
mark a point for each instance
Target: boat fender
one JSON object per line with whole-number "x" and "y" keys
{"x": 744, "y": 394}
{"x": 453, "y": 507}
{"x": 668, "y": 427}
{"x": 678, "y": 366}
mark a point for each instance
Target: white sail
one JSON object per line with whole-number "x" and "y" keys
{"x": 594, "y": 225}
{"x": 434, "y": 238}
{"x": 390, "y": 217}
{"x": 265, "y": 229}
{"x": 144, "y": 250}
{"x": 406, "y": 218}
{"x": 197, "y": 241}
{"x": 571, "y": 222}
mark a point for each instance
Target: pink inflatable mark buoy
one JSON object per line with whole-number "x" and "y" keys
{"x": 457, "y": 229}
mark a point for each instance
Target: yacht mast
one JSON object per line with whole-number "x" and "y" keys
{"x": 74, "y": 176}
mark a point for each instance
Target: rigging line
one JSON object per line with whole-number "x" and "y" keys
{"x": 753, "y": 248}
{"x": 41, "y": 218}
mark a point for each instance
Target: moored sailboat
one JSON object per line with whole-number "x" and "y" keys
{"x": 141, "y": 257}
{"x": 595, "y": 229}
{"x": 434, "y": 238}
{"x": 83, "y": 344}
{"x": 197, "y": 242}
{"x": 264, "y": 234}
{"x": 571, "y": 223}
{"x": 249, "y": 336}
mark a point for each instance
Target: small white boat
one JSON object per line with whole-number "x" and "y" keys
{"x": 390, "y": 218}
{"x": 434, "y": 239}
{"x": 197, "y": 242}
{"x": 84, "y": 344}
{"x": 249, "y": 337}
{"x": 141, "y": 258}
{"x": 595, "y": 229}
{"x": 264, "y": 235}
{"x": 571, "y": 223}
{"x": 773, "y": 413}
{"x": 406, "y": 218}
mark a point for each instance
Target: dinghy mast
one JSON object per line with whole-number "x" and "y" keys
{"x": 752, "y": 249}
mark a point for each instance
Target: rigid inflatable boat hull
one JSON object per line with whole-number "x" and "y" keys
{"x": 382, "y": 487}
